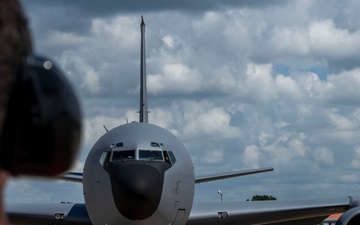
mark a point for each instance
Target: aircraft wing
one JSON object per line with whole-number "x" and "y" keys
{"x": 299, "y": 212}
{"x": 72, "y": 176}
{"x": 64, "y": 213}
{"x": 213, "y": 177}
{"x": 78, "y": 177}
{"x": 267, "y": 212}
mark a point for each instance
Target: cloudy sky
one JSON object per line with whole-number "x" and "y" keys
{"x": 243, "y": 84}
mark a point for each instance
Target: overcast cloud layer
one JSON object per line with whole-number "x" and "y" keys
{"x": 243, "y": 85}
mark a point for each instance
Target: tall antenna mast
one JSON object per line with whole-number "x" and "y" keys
{"x": 143, "y": 117}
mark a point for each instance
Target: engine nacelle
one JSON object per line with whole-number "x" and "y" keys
{"x": 350, "y": 217}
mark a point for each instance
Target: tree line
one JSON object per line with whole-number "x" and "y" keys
{"x": 262, "y": 198}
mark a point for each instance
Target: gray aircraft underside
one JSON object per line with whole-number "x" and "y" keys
{"x": 141, "y": 174}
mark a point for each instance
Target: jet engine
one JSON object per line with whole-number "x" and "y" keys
{"x": 352, "y": 216}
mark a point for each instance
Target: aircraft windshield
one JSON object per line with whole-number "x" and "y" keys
{"x": 151, "y": 155}
{"x": 123, "y": 155}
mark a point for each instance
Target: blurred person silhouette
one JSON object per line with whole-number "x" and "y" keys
{"x": 15, "y": 45}
{"x": 40, "y": 117}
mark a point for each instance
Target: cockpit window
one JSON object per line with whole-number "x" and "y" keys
{"x": 123, "y": 155}
{"x": 117, "y": 145}
{"x": 151, "y": 155}
{"x": 154, "y": 144}
{"x": 172, "y": 157}
{"x": 104, "y": 158}
{"x": 169, "y": 157}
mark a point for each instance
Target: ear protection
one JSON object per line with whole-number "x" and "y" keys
{"x": 42, "y": 129}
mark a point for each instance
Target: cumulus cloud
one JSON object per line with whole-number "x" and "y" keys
{"x": 168, "y": 41}
{"x": 90, "y": 76}
{"x": 349, "y": 178}
{"x": 258, "y": 85}
{"x": 93, "y": 127}
{"x": 163, "y": 118}
{"x": 288, "y": 88}
{"x": 251, "y": 156}
{"x": 320, "y": 38}
{"x": 64, "y": 39}
{"x": 323, "y": 155}
{"x": 327, "y": 39}
{"x": 213, "y": 157}
{"x": 78, "y": 166}
{"x": 344, "y": 87}
{"x": 290, "y": 41}
{"x": 118, "y": 30}
{"x": 203, "y": 118}
{"x": 355, "y": 163}
{"x": 175, "y": 78}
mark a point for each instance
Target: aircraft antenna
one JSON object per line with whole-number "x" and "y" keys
{"x": 106, "y": 129}
{"x": 143, "y": 117}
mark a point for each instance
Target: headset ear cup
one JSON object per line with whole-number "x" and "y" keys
{"x": 23, "y": 124}
{"x": 34, "y": 139}
{"x": 10, "y": 127}
{"x": 43, "y": 128}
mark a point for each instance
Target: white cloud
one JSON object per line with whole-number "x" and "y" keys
{"x": 288, "y": 88}
{"x": 119, "y": 30}
{"x": 213, "y": 157}
{"x": 297, "y": 145}
{"x": 222, "y": 80}
{"x": 90, "y": 76}
{"x": 346, "y": 86}
{"x": 202, "y": 118}
{"x": 93, "y": 127}
{"x": 324, "y": 155}
{"x": 78, "y": 166}
{"x": 168, "y": 41}
{"x": 320, "y": 38}
{"x": 307, "y": 81}
{"x": 286, "y": 149}
{"x": 355, "y": 163}
{"x": 162, "y": 118}
{"x": 327, "y": 39}
{"x": 65, "y": 39}
{"x": 177, "y": 78}
{"x": 340, "y": 122}
{"x": 290, "y": 40}
{"x": 251, "y": 157}
{"x": 82, "y": 71}
{"x": 349, "y": 178}
{"x": 258, "y": 85}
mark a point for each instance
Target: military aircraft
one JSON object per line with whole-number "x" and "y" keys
{"x": 141, "y": 174}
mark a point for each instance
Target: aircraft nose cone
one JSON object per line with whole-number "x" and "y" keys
{"x": 137, "y": 188}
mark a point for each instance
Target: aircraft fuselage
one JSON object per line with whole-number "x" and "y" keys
{"x": 138, "y": 173}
